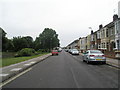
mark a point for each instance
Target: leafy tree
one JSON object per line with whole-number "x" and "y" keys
{"x": 37, "y": 44}
{"x": 29, "y": 40}
{"x": 48, "y": 39}
{"x": 6, "y": 43}
{"x": 9, "y": 45}
{"x": 22, "y": 42}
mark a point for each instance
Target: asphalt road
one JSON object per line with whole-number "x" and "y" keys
{"x": 67, "y": 71}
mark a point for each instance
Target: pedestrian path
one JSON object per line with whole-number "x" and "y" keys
{"x": 12, "y": 70}
{"x": 113, "y": 62}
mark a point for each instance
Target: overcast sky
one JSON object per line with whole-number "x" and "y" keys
{"x": 70, "y": 18}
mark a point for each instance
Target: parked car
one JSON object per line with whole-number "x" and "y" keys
{"x": 60, "y": 50}
{"x": 54, "y": 52}
{"x": 94, "y": 56}
{"x": 70, "y": 50}
{"x": 65, "y": 50}
{"x": 75, "y": 52}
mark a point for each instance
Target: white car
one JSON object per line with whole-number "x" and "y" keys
{"x": 94, "y": 56}
{"x": 70, "y": 50}
{"x": 75, "y": 52}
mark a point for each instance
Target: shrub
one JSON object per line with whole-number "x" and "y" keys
{"x": 26, "y": 52}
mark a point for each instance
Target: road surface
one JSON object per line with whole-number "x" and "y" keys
{"x": 67, "y": 71}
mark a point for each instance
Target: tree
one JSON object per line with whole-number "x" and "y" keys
{"x": 37, "y": 44}
{"x": 9, "y": 45}
{"x": 22, "y": 42}
{"x": 29, "y": 40}
{"x": 48, "y": 39}
{"x": 3, "y": 39}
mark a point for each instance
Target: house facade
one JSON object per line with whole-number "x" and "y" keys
{"x": 88, "y": 38}
{"x": 117, "y": 38}
{"x": 98, "y": 38}
{"x": 106, "y": 39}
{"x": 82, "y": 44}
{"x": 92, "y": 40}
{"x": 73, "y": 45}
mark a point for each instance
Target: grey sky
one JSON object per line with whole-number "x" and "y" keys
{"x": 70, "y": 18}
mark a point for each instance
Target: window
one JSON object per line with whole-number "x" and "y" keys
{"x": 99, "y": 46}
{"x": 98, "y": 35}
{"x": 114, "y": 45}
{"x": 107, "y": 45}
{"x": 107, "y": 33}
{"x": 95, "y": 51}
{"x": 112, "y": 31}
{"x": 103, "y": 45}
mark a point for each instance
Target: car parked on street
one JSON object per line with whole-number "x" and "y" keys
{"x": 75, "y": 52}
{"x": 70, "y": 50}
{"x": 94, "y": 56}
{"x": 60, "y": 50}
{"x": 54, "y": 52}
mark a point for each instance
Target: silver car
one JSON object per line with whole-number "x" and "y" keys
{"x": 70, "y": 50}
{"x": 75, "y": 52}
{"x": 94, "y": 56}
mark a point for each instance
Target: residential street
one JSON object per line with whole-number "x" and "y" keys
{"x": 67, "y": 71}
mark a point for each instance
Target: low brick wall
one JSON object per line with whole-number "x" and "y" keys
{"x": 109, "y": 54}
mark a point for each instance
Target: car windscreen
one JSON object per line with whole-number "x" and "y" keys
{"x": 55, "y": 51}
{"x": 75, "y": 50}
{"x": 95, "y": 51}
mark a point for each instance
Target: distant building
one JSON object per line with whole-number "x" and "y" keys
{"x": 73, "y": 45}
{"x": 88, "y": 42}
{"x": 92, "y": 40}
{"x": 106, "y": 39}
{"x": 83, "y": 44}
{"x": 119, "y": 9}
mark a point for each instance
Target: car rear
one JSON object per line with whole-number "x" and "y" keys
{"x": 75, "y": 52}
{"x": 54, "y": 52}
{"x": 97, "y": 56}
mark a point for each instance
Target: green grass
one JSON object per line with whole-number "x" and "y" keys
{"x": 9, "y": 61}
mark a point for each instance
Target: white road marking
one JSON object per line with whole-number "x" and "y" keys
{"x": 74, "y": 78}
{"x": 8, "y": 81}
{"x": 16, "y": 69}
{"x": 3, "y": 75}
{"x": 32, "y": 62}
{"x": 27, "y": 64}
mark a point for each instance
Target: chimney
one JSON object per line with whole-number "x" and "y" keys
{"x": 100, "y": 26}
{"x": 115, "y": 17}
{"x": 79, "y": 38}
{"x": 91, "y": 31}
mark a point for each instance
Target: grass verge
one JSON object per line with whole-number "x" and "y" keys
{"x": 10, "y": 61}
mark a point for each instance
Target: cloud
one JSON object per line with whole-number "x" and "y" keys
{"x": 70, "y": 18}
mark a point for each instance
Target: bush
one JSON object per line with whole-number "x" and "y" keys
{"x": 26, "y": 52}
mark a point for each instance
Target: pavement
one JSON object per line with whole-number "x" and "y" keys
{"x": 111, "y": 62}
{"x": 14, "y": 69}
